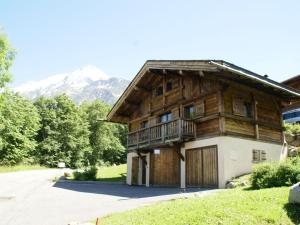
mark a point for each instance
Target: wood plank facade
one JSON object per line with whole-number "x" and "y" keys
{"x": 170, "y": 103}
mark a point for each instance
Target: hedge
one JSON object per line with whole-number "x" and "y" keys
{"x": 267, "y": 175}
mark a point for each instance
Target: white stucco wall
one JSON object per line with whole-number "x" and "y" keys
{"x": 235, "y": 155}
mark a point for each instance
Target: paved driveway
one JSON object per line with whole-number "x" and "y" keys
{"x": 31, "y": 198}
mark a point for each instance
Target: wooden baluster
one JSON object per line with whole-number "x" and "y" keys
{"x": 162, "y": 133}
{"x": 179, "y": 130}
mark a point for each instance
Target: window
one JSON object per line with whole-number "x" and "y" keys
{"x": 144, "y": 124}
{"x": 158, "y": 91}
{"x": 189, "y": 112}
{"x": 165, "y": 117}
{"x": 259, "y": 155}
{"x": 248, "y": 109}
{"x": 169, "y": 86}
{"x": 240, "y": 107}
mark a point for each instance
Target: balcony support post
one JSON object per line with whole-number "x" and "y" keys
{"x": 180, "y": 129}
{"x": 162, "y": 133}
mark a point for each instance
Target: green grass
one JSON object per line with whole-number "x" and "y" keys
{"x": 229, "y": 207}
{"x": 110, "y": 173}
{"x": 6, "y": 169}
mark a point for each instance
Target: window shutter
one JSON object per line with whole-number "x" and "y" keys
{"x": 238, "y": 106}
{"x": 200, "y": 108}
{"x": 175, "y": 113}
{"x": 152, "y": 120}
{"x": 255, "y": 155}
{"x": 263, "y": 155}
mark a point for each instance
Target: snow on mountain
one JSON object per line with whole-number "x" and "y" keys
{"x": 87, "y": 83}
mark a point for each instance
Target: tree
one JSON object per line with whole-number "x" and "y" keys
{"x": 19, "y": 122}
{"x": 64, "y": 133}
{"x": 7, "y": 55}
{"x": 105, "y": 138}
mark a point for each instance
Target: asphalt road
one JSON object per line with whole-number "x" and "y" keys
{"x": 32, "y": 198}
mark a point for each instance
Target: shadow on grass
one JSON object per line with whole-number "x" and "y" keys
{"x": 293, "y": 212}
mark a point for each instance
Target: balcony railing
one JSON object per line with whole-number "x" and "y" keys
{"x": 171, "y": 131}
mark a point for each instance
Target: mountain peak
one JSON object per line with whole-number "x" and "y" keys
{"x": 90, "y": 71}
{"x": 86, "y": 83}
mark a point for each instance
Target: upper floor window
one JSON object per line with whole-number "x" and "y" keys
{"x": 240, "y": 107}
{"x": 189, "y": 112}
{"x": 144, "y": 124}
{"x": 158, "y": 91}
{"x": 165, "y": 117}
{"x": 169, "y": 86}
{"x": 248, "y": 109}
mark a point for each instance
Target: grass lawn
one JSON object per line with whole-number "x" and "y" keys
{"x": 6, "y": 169}
{"x": 112, "y": 173}
{"x": 230, "y": 207}
{"x": 109, "y": 173}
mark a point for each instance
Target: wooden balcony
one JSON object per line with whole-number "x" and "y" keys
{"x": 161, "y": 134}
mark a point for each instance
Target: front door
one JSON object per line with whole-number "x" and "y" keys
{"x": 135, "y": 171}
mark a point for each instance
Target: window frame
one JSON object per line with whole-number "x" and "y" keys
{"x": 169, "y": 117}
{"x": 158, "y": 91}
{"x": 192, "y": 114}
{"x": 169, "y": 88}
{"x": 144, "y": 124}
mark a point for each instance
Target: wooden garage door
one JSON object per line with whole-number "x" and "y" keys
{"x": 135, "y": 171}
{"x": 164, "y": 167}
{"x": 202, "y": 167}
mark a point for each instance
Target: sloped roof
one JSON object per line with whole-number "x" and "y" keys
{"x": 292, "y": 79}
{"x": 208, "y": 66}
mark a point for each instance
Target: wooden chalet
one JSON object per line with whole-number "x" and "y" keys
{"x": 200, "y": 123}
{"x": 293, "y": 82}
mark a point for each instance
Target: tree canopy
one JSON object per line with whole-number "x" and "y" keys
{"x": 64, "y": 133}
{"x": 105, "y": 138}
{"x": 7, "y": 55}
{"x": 19, "y": 122}
{"x": 52, "y": 130}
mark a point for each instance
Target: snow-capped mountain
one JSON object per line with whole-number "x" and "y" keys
{"x": 87, "y": 83}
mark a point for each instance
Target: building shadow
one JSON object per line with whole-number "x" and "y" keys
{"x": 123, "y": 190}
{"x": 293, "y": 212}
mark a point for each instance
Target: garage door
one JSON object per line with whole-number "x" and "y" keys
{"x": 202, "y": 167}
{"x": 164, "y": 167}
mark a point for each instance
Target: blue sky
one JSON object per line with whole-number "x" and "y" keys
{"x": 119, "y": 36}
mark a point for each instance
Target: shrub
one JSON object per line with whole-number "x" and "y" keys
{"x": 292, "y": 128}
{"x": 268, "y": 175}
{"x": 263, "y": 176}
{"x": 87, "y": 174}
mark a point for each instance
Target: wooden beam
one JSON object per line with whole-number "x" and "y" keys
{"x": 142, "y": 158}
{"x": 279, "y": 111}
{"x": 254, "y": 103}
{"x": 125, "y": 115}
{"x": 131, "y": 103}
{"x": 221, "y": 110}
{"x": 201, "y": 73}
{"x": 141, "y": 88}
{"x": 177, "y": 150}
